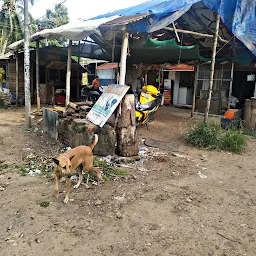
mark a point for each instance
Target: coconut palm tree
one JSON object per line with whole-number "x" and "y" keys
{"x": 11, "y": 22}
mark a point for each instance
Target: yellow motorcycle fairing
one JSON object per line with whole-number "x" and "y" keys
{"x": 150, "y": 90}
{"x": 145, "y": 98}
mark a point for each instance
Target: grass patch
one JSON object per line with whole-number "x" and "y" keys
{"x": 249, "y": 133}
{"x": 3, "y": 167}
{"x": 108, "y": 171}
{"x": 211, "y": 136}
{"x": 44, "y": 204}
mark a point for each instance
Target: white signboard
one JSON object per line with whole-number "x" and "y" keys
{"x": 107, "y": 103}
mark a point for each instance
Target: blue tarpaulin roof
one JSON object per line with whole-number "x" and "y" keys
{"x": 238, "y": 15}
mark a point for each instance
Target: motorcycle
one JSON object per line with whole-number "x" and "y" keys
{"x": 88, "y": 93}
{"x": 149, "y": 100}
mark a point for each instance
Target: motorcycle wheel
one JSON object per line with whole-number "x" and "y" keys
{"x": 151, "y": 117}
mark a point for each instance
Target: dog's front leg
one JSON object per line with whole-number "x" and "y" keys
{"x": 56, "y": 187}
{"x": 68, "y": 184}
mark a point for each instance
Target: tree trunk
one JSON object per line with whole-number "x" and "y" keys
{"x": 126, "y": 128}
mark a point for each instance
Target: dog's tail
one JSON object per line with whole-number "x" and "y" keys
{"x": 96, "y": 138}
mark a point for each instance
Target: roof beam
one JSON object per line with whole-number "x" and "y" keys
{"x": 195, "y": 33}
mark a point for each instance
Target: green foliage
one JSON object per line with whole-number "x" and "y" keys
{"x": 211, "y": 136}
{"x": 204, "y": 135}
{"x": 250, "y": 133}
{"x": 79, "y": 128}
{"x": 52, "y": 19}
{"x": 108, "y": 170}
{"x": 2, "y": 73}
{"x": 44, "y": 204}
{"x": 233, "y": 141}
{"x": 11, "y": 22}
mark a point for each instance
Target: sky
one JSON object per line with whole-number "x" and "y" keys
{"x": 82, "y": 8}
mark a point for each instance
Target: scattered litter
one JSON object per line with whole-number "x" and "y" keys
{"x": 34, "y": 173}
{"x": 204, "y": 168}
{"x": 119, "y": 215}
{"x": 178, "y": 155}
{"x": 143, "y": 151}
{"x": 40, "y": 232}
{"x": 142, "y": 169}
{"x": 2, "y": 189}
{"x": 9, "y": 228}
{"x": 73, "y": 178}
{"x": 95, "y": 183}
{"x": 71, "y": 200}
{"x": 189, "y": 199}
{"x": 98, "y": 203}
{"x": 37, "y": 240}
{"x": 31, "y": 156}
{"x": 120, "y": 198}
{"x": 202, "y": 176}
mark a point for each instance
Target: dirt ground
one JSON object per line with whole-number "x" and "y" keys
{"x": 199, "y": 202}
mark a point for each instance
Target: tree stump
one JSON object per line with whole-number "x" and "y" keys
{"x": 247, "y": 113}
{"x": 127, "y": 144}
{"x": 250, "y": 114}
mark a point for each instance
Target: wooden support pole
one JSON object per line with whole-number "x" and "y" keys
{"x": 126, "y": 127}
{"x": 27, "y": 67}
{"x": 37, "y": 77}
{"x": 231, "y": 84}
{"x": 215, "y": 42}
{"x": 194, "y": 93}
{"x": 17, "y": 79}
{"x": 123, "y": 58}
{"x": 176, "y": 33}
{"x": 195, "y": 33}
{"x": 255, "y": 91}
{"x": 113, "y": 49}
{"x": 68, "y": 76}
{"x": 78, "y": 73}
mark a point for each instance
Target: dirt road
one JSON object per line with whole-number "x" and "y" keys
{"x": 198, "y": 202}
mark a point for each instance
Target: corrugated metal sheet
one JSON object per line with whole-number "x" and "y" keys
{"x": 124, "y": 20}
{"x": 108, "y": 66}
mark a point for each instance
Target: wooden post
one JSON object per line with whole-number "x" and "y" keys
{"x": 253, "y": 114}
{"x": 68, "y": 76}
{"x": 37, "y": 77}
{"x": 194, "y": 93}
{"x": 17, "y": 79}
{"x": 215, "y": 42}
{"x": 27, "y": 67}
{"x": 255, "y": 91}
{"x": 126, "y": 128}
{"x": 123, "y": 58}
{"x": 113, "y": 49}
{"x": 231, "y": 84}
{"x": 78, "y": 73}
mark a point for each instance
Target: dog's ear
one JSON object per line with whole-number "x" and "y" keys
{"x": 71, "y": 157}
{"x": 56, "y": 161}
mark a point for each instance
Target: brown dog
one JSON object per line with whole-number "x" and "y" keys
{"x": 79, "y": 157}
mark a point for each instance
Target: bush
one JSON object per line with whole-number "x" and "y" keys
{"x": 211, "y": 136}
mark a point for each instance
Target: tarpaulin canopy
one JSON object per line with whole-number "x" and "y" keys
{"x": 238, "y": 15}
